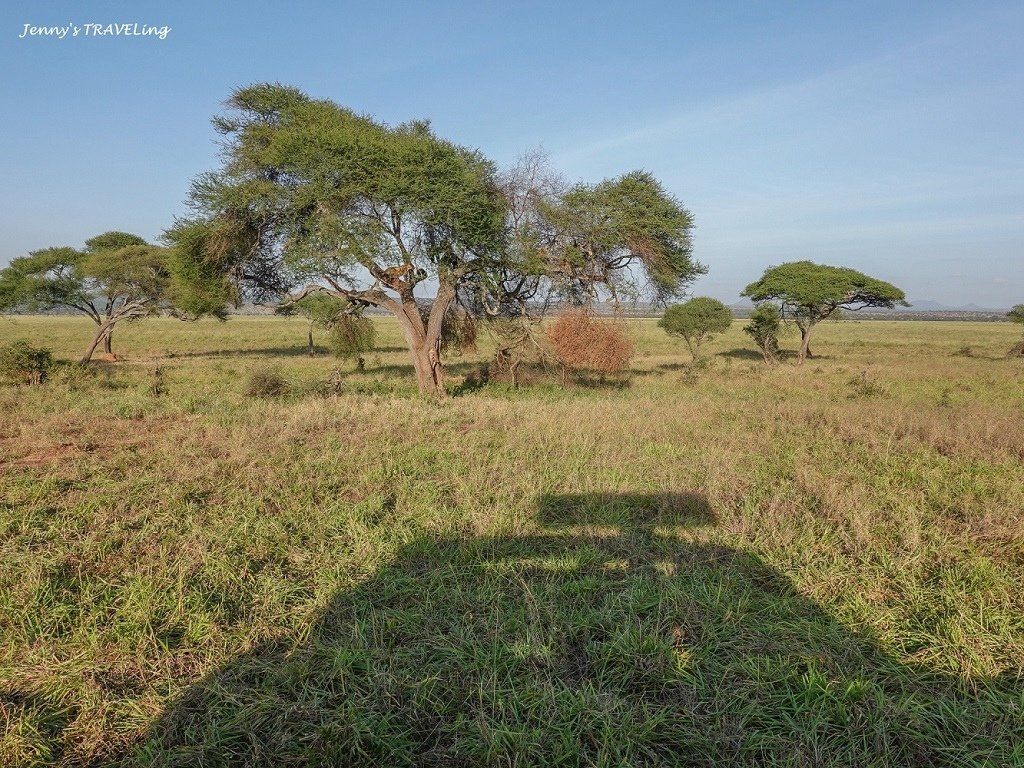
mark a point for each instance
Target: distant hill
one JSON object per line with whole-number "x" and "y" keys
{"x": 926, "y": 305}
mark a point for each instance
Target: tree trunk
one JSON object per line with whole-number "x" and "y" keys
{"x": 311, "y": 340}
{"x": 102, "y": 334}
{"x": 805, "y": 344}
{"x": 426, "y": 360}
{"x": 107, "y": 349}
{"x": 424, "y": 339}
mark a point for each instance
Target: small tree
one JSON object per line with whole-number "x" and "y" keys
{"x": 808, "y": 293}
{"x": 351, "y": 336}
{"x": 319, "y": 309}
{"x": 1016, "y": 315}
{"x": 117, "y": 276}
{"x": 696, "y": 321}
{"x": 763, "y": 328}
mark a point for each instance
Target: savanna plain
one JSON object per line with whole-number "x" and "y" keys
{"x": 726, "y": 564}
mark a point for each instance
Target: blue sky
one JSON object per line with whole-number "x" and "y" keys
{"x": 884, "y": 136}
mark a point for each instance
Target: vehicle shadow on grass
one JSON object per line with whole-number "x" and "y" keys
{"x": 609, "y": 637}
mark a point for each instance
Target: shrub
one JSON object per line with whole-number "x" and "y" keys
{"x": 352, "y": 336}
{"x": 22, "y": 362}
{"x": 763, "y": 327}
{"x": 1016, "y": 315}
{"x": 582, "y": 342}
{"x": 265, "y": 382}
{"x": 696, "y": 321}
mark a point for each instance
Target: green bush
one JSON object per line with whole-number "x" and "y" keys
{"x": 22, "y": 362}
{"x": 351, "y": 336}
{"x": 266, "y": 382}
{"x": 696, "y": 321}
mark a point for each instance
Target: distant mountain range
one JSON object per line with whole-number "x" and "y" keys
{"x": 935, "y": 306}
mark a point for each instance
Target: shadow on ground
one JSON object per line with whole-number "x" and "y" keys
{"x": 607, "y": 638}
{"x": 282, "y": 351}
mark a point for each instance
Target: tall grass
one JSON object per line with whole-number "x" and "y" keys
{"x": 734, "y": 565}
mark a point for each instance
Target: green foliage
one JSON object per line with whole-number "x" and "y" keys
{"x": 321, "y": 309}
{"x": 696, "y": 321}
{"x": 811, "y": 292}
{"x": 763, "y": 327}
{"x": 1016, "y": 315}
{"x": 20, "y": 361}
{"x": 200, "y": 267}
{"x": 44, "y": 280}
{"x": 113, "y": 268}
{"x": 808, "y": 293}
{"x": 612, "y": 233}
{"x": 117, "y": 276}
{"x": 130, "y": 273}
{"x": 112, "y": 241}
{"x": 351, "y": 335}
{"x": 312, "y": 190}
{"x": 313, "y": 194}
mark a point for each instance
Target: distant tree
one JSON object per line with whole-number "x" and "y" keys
{"x": 696, "y": 321}
{"x": 313, "y": 197}
{"x": 1016, "y": 315}
{"x": 808, "y": 293}
{"x": 763, "y": 327}
{"x": 319, "y": 309}
{"x": 116, "y": 277}
{"x": 352, "y": 335}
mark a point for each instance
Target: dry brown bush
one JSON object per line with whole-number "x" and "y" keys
{"x": 583, "y": 342}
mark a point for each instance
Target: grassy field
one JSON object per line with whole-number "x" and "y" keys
{"x": 807, "y": 566}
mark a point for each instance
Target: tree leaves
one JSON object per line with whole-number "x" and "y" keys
{"x": 810, "y": 292}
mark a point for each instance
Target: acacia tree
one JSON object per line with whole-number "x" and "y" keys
{"x": 808, "y": 293}
{"x": 116, "y": 277}
{"x": 696, "y": 321}
{"x": 315, "y": 198}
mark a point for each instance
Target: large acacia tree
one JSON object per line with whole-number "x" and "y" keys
{"x": 808, "y": 293}
{"x": 313, "y": 197}
{"x": 116, "y": 277}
